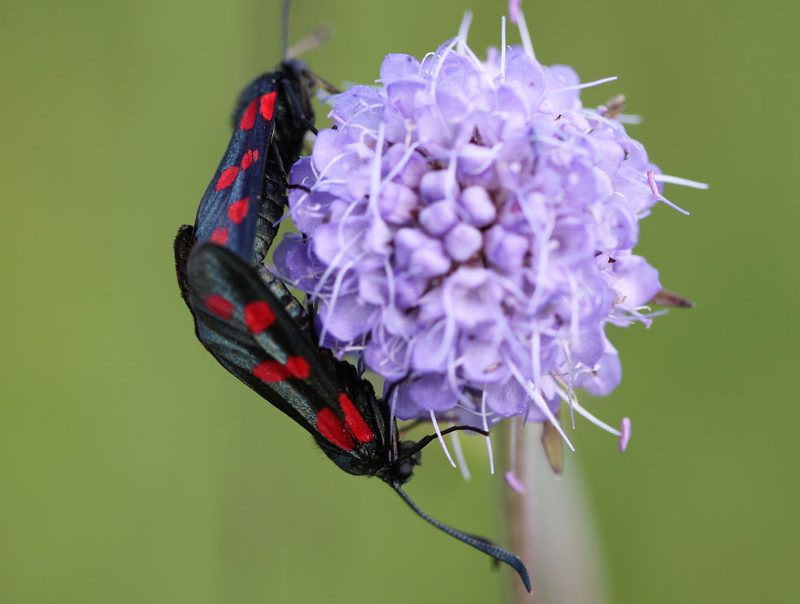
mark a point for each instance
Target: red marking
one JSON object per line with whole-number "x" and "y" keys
{"x": 355, "y": 422}
{"x": 255, "y": 154}
{"x": 258, "y": 316}
{"x": 298, "y": 367}
{"x": 249, "y": 117}
{"x": 219, "y": 236}
{"x": 227, "y": 177}
{"x": 273, "y": 371}
{"x": 248, "y": 159}
{"x": 219, "y": 306}
{"x": 270, "y": 371}
{"x": 267, "y": 107}
{"x": 331, "y": 427}
{"x": 237, "y": 211}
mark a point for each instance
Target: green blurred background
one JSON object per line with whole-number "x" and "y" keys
{"x": 134, "y": 469}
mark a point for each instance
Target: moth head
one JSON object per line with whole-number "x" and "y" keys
{"x": 303, "y": 84}
{"x": 401, "y": 470}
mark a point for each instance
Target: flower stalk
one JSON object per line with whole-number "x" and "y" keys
{"x": 518, "y": 513}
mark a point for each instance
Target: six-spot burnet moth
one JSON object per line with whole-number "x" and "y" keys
{"x": 249, "y": 321}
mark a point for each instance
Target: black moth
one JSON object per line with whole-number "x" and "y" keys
{"x": 252, "y": 324}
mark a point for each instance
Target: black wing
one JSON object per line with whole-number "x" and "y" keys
{"x": 229, "y": 210}
{"x": 241, "y": 319}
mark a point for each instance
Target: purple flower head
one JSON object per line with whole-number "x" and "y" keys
{"x": 469, "y": 228}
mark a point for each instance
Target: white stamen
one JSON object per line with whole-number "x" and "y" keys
{"x": 449, "y": 325}
{"x": 677, "y": 180}
{"x": 337, "y": 286}
{"x": 534, "y": 392}
{"x": 463, "y": 47}
{"x": 645, "y": 317}
{"x": 452, "y": 378}
{"x": 580, "y": 409}
{"x": 462, "y": 461}
{"x": 543, "y": 252}
{"x": 651, "y": 180}
{"x": 585, "y": 85}
{"x": 463, "y": 30}
{"x": 356, "y": 114}
{"x": 344, "y": 221}
{"x": 324, "y": 171}
{"x": 452, "y": 180}
{"x": 487, "y": 437}
{"x": 375, "y": 174}
{"x": 511, "y": 288}
{"x": 332, "y": 267}
{"x": 349, "y": 349}
{"x": 393, "y": 405}
{"x": 526, "y": 37}
{"x": 441, "y": 438}
{"x": 570, "y": 383}
{"x": 440, "y": 65}
{"x": 390, "y": 281}
{"x": 402, "y": 163}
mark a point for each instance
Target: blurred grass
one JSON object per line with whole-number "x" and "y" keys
{"x": 134, "y": 469}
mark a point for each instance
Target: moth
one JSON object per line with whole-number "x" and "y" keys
{"x": 255, "y": 328}
{"x": 244, "y": 317}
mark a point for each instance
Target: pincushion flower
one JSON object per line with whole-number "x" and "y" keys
{"x": 468, "y": 229}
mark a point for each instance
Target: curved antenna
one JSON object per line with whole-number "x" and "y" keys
{"x": 287, "y": 4}
{"x": 424, "y": 442}
{"x": 484, "y": 545}
{"x": 313, "y": 40}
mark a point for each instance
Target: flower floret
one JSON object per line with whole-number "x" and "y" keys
{"x": 468, "y": 229}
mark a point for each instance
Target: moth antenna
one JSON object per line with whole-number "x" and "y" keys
{"x": 424, "y": 442}
{"x": 480, "y": 543}
{"x": 287, "y": 5}
{"x": 315, "y": 39}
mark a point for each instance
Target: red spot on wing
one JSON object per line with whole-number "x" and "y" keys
{"x": 249, "y": 116}
{"x": 258, "y": 316}
{"x": 248, "y": 159}
{"x": 331, "y": 427}
{"x": 270, "y": 371}
{"x": 237, "y": 211}
{"x": 354, "y": 421}
{"x": 273, "y": 371}
{"x": 227, "y": 177}
{"x": 267, "y": 105}
{"x": 219, "y": 306}
{"x": 255, "y": 154}
{"x": 219, "y": 236}
{"x": 298, "y": 367}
